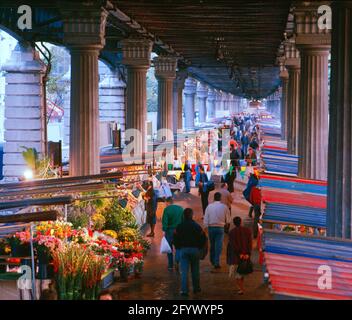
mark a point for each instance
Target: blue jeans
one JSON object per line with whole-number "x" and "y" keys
{"x": 216, "y": 238}
{"x": 188, "y": 177}
{"x": 169, "y": 235}
{"x": 189, "y": 258}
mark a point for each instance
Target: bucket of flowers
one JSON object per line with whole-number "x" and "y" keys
{"x": 19, "y": 244}
{"x": 138, "y": 263}
{"x": 45, "y": 246}
{"x": 70, "y": 265}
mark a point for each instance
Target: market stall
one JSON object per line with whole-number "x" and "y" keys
{"x": 100, "y": 228}
{"x": 296, "y": 264}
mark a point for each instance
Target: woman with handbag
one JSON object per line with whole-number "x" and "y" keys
{"x": 239, "y": 250}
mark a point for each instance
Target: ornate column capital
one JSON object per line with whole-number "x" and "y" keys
{"x": 179, "y": 82}
{"x": 202, "y": 91}
{"x": 308, "y": 34}
{"x": 136, "y": 52}
{"x": 83, "y": 26}
{"x": 283, "y": 71}
{"x": 165, "y": 67}
{"x": 292, "y": 55}
{"x": 211, "y": 95}
{"x": 218, "y": 95}
{"x": 190, "y": 86}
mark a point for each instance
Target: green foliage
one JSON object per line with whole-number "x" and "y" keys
{"x": 117, "y": 217}
{"x": 30, "y": 156}
{"x": 78, "y": 217}
{"x": 56, "y": 86}
{"x": 41, "y": 167}
{"x": 152, "y": 91}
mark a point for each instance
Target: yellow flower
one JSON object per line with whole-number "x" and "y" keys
{"x": 110, "y": 233}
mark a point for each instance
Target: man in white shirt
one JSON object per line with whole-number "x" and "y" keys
{"x": 217, "y": 215}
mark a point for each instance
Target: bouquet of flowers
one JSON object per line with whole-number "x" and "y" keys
{"x": 59, "y": 229}
{"x": 70, "y": 265}
{"x": 80, "y": 235}
{"x": 19, "y": 244}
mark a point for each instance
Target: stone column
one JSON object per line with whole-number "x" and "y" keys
{"x": 237, "y": 104}
{"x": 179, "y": 84}
{"x": 224, "y": 106}
{"x": 165, "y": 72}
{"x": 189, "y": 92}
{"x": 283, "y": 109}
{"x": 23, "y": 108}
{"x": 229, "y": 103}
{"x": 84, "y": 115}
{"x": 293, "y": 65}
{"x": 339, "y": 216}
{"x": 202, "y": 94}
{"x": 84, "y": 35}
{"x": 136, "y": 56}
{"x": 314, "y": 46}
{"x": 218, "y": 103}
{"x": 211, "y": 104}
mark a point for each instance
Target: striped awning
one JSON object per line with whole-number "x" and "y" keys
{"x": 293, "y": 214}
{"x": 295, "y": 264}
{"x": 294, "y": 184}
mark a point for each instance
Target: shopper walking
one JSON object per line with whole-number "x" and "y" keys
{"x": 172, "y": 217}
{"x": 187, "y": 176}
{"x": 189, "y": 238}
{"x": 230, "y": 179}
{"x": 239, "y": 248}
{"x": 256, "y": 201}
{"x": 150, "y": 207}
{"x": 252, "y": 181}
{"x": 245, "y": 143}
{"x": 203, "y": 189}
{"x": 217, "y": 215}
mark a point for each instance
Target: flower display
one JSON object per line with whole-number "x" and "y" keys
{"x": 23, "y": 236}
{"x": 110, "y": 233}
{"x": 59, "y": 229}
{"x": 78, "y": 257}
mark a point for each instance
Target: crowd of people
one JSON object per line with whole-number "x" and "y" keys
{"x": 189, "y": 241}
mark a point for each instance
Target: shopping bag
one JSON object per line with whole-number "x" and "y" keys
{"x": 164, "y": 246}
{"x": 245, "y": 266}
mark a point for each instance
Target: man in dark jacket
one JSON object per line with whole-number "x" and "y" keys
{"x": 239, "y": 248}
{"x": 202, "y": 188}
{"x": 252, "y": 181}
{"x": 256, "y": 201}
{"x": 189, "y": 238}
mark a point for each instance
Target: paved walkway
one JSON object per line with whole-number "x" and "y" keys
{"x": 157, "y": 283}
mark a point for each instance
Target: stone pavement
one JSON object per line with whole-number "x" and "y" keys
{"x": 157, "y": 283}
